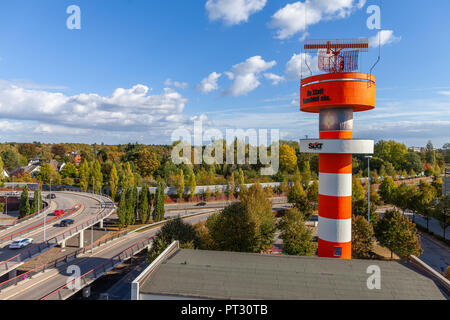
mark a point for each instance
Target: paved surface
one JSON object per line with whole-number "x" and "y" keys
{"x": 435, "y": 254}
{"x": 41, "y": 285}
{"x": 64, "y": 201}
{"x": 236, "y": 275}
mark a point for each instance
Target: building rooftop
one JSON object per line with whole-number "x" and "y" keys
{"x": 233, "y": 275}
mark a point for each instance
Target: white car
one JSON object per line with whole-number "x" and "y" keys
{"x": 20, "y": 243}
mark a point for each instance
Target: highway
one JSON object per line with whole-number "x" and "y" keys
{"x": 42, "y": 285}
{"x": 83, "y": 208}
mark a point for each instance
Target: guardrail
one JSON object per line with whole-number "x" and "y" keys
{"x": 31, "y": 216}
{"x": 10, "y": 237}
{"x": 84, "y": 225}
{"x": 53, "y": 264}
{"x": 37, "y": 249}
{"x": 69, "y": 289}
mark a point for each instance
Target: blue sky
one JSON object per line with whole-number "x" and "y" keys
{"x": 138, "y": 69}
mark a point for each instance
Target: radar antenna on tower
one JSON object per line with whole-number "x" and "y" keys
{"x": 338, "y": 55}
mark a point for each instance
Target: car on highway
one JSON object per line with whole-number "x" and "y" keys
{"x": 51, "y": 196}
{"x": 58, "y": 212}
{"x": 20, "y": 243}
{"x": 66, "y": 222}
{"x": 201, "y": 204}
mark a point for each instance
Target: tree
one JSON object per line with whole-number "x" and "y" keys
{"x": 360, "y": 207}
{"x": 256, "y": 200}
{"x": 235, "y": 230}
{"x": 146, "y": 162}
{"x": 313, "y": 192}
{"x": 48, "y": 174}
{"x": 288, "y": 158}
{"x": 397, "y": 233}
{"x": 128, "y": 177}
{"x": 1, "y": 169}
{"x": 69, "y": 171}
{"x": 28, "y": 150}
{"x": 113, "y": 182}
{"x": 122, "y": 210}
{"x": 442, "y": 213}
{"x": 96, "y": 174}
{"x": 158, "y": 206}
{"x": 180, "y": 184}
{"x": 11, "y": 159}
{"x": 387, "y": 189}
{"x": 299, "y": 199}
{"x": 24, "y": 204}
{"x": 402, "y": 196}
{"x": 245, "y": 226}
{"x": 357, "y": 190}
{"x": 59, "y": 150}
{"x": 173, "y": 230}
{"x": 242, "y": 187}
{"x": 430, "y": 153}
{"x": 297, "y": 237}
{"x": 206, "y": 241}
{"x": 37, "y": 202}
{"x": 362, "y": 237}
{"x": 192, "y": 186}
{"x": 143, "y": 204}
{"x": 306, "y": 173}
{"x": 425, "y": 201}
{"x": 231, "y": 185}
{"x": 84, "y": 176}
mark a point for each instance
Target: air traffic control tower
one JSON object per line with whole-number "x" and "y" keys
{"x": 335, "y": 96}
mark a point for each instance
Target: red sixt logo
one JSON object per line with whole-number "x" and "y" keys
{"x": 315, "y": 146}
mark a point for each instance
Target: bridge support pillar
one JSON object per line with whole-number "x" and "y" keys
{"x": 100, "y": 224}
{"x": 12, "y": 274}
{"x": 81, "y": 240}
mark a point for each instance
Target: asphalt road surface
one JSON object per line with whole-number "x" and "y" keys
{"x": 40, "y": 286}
{"x": 64, "y": 201}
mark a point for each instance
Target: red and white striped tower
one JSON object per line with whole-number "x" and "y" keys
{"x": 336, "y": 96}
{"x": 335, "y": 187}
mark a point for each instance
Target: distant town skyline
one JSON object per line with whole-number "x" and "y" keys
{"x": 138, "y": 70}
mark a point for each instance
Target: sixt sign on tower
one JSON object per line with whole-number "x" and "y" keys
{"x": 315, "y": 146}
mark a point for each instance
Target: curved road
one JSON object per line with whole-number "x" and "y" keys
{"x": 89, "y": 207}
{"x": 38, "y": 287}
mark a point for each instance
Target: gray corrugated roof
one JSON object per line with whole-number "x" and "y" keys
{"x": 233, "y": 275}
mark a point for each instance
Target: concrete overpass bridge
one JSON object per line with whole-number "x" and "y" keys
{"x": 85, "y": 209}
{"x": 57, "y": 283}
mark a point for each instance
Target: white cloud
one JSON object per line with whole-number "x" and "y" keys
{"x": 276, "y": 79}
{"x": 233, "y": 11}
{"x": 445, "y": 93}
{"x": 290, "y": 19}
{"x": 296, "y": 66}
{"x": 126, "y": 110}
{"x": 209, "y": 83}
{"x": 246, "y": 74}
{"x": 383, "y": 37}
{"x": 177, "y": 84}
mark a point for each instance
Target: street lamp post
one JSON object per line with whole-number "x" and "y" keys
{"x": 368, "y": 190}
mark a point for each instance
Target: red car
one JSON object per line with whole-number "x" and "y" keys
{"x": 58, "y": 212}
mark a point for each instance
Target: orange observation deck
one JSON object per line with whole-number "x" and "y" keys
{"x": 335, "y": 96}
